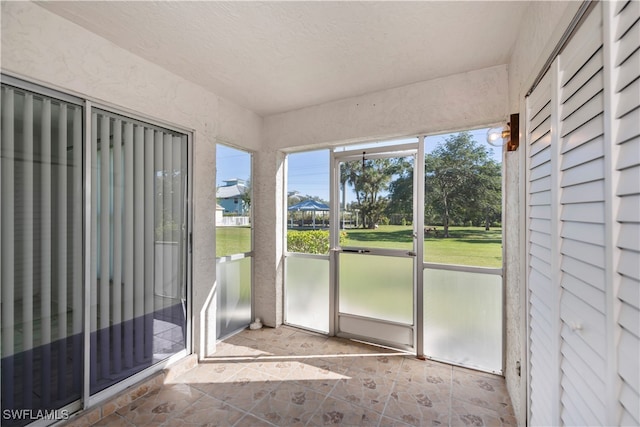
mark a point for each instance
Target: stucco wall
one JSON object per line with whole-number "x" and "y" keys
{"x": 455, "y": 102}
{"x": 42, "y": 47}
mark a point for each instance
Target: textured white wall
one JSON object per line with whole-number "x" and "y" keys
{"x": 42, "y": 47}
{"x": 541, "y": 30}
{"x": 455, "y": 102}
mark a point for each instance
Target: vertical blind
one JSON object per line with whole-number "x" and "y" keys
{"x": 138, "y": 180}
{"x": 137, "y": 253}
{"x": 41, "y": 235}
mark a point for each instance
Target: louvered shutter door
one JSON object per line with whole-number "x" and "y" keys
{"x": 626, "y": 134}
{"x": 540, "y": 260}
{"x": 582, "y": 226}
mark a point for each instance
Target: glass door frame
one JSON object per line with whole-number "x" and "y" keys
{"x": 86, "y": 399}
{"x": 416, "y": 150}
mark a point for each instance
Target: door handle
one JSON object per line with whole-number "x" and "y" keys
{"x": 357, "y": 251}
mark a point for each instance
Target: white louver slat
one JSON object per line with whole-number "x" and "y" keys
{"x": 582, "y": 262}
{"x": 539, "y": 112}
{"x": 626, "y": 134}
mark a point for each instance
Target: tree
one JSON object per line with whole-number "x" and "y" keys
{"x": 401, "y": 191}
{"x": 370, "y": 185}
{"x": 461, "y": 181}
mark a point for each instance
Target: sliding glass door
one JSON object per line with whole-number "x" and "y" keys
{"x": 138, "y": 297}
{"x": 94, "y": 256}
{"x": 41, "y": 234}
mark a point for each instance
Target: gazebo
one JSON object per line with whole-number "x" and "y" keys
{"x": 312, "y": 206}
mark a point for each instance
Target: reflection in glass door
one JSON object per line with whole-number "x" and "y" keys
{"x": 376, "y": 260}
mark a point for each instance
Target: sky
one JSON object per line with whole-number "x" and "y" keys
{"x": 308, "y": 172}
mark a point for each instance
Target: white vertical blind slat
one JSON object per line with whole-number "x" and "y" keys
{"x": 93, "y": 286}
{"x": 77, "y": 282}
{"x": 168, "y": 212}
{"x": 8, "y": 237}
{"x": 149, "y": 240}
{"x": 45, "y": 245}
{"x": 105, "y": 243}
{"x": 61, "y": 246}
{"x": 138, "y": 238}
{"x": 116, "y": 289}
{"x": 27, "y": 220}
{"x": 128, "y": 244}
{"x": 159, "y": 207}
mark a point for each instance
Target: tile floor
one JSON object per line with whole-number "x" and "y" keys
{"x": 288, "y": 377}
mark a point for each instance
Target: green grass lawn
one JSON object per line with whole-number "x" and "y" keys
{"x": 232, "y": 240}
{"x": 465, "y": 246}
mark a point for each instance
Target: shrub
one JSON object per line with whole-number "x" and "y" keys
{"x": 311, "y": 241}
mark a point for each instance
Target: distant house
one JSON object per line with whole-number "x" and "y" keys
{"x": 230, "y": 197}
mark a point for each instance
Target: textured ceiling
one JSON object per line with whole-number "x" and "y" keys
{"x": 273, "y": 57}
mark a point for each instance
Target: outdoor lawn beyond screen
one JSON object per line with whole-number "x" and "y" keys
{"x": 462, "y": 203}
{"x": 463, "y": 200}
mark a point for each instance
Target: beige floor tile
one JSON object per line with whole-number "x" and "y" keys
{"x": 301, "y": 343}
{"x": 211, "y": 372}
{"x": 206, "y": 412}
{"x": 418, "y": 404}
{"x": 316, "y": 374}
{"x": 244, "y": 389}
{"x": 378, "y": 365}
{"x": 291, "y": 404}
{"x": 361, "y": 388}
{"x": 288, "y": 377}
{"x": 338, "y": 412}
{"x": 466, "y": 414}
{"x": 159, "y": 406}
{"x": 482, "y": 390}
{"x": 416, "y": 370}
{"x": 238, "y": 346}
{"x": 390, "y": 422}
{"x": 114, "y": 420}
{"x": 251, "y": 421}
